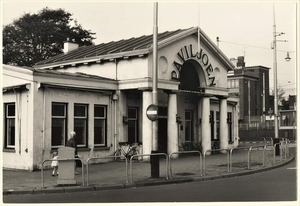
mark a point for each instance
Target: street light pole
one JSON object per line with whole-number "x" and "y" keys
{"x": 275, "y": 79}
{"x": 276, "y": 128}
{"x": 154, "y": 159}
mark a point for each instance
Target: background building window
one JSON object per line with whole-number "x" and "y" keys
{"x": 189, "y": 125}
{"x": 80, "y": 124}
{"x": 133, "y": 125}
{"x": 58, "y": 124}
{"x": 99, "y": 125}
{"x": 10, "y": 129}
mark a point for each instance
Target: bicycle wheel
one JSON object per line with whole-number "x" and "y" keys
{"x": 117, "y": 155}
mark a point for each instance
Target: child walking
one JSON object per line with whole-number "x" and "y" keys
{"x": 54, "y": 164}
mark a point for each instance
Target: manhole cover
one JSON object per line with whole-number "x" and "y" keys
{"x": 184, "y": 173}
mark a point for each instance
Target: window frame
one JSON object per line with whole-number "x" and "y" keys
{"x": 7, "y": 118}
{"x": 134, "y": 119}
{"x": 191, "y": 121}
{"x": 85, "y": 117}
{"x": 65, "y": 118}
{"x": 104, "y": 118}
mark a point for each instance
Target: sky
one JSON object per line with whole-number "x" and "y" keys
{"x": 245, "y": 28}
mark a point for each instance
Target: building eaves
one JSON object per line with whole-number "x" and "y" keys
{"x": 69, "y": 74}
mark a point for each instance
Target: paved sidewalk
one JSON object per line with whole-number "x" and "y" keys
{"x": 112, "y": 175}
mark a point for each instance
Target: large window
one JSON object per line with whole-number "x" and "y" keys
{"x": 10, "y": 129}
{"x": 188, "y": 125}
{"x": 80, "y": 124}
{"x": 58, "y": 124}
{"x": 133, "y": 125}
{"x": 99, "y": 125}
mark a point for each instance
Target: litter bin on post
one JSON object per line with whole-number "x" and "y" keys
{"x": 66, "y": 169}
{"x": 277, "y": 148}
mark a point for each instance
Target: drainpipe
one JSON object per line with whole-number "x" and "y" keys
{"x": 43, "y": 122}
{"x": 115, "y": 99}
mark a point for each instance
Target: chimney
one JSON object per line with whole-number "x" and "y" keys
{"x": 70, "y": 45}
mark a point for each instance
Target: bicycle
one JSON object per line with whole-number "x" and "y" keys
{"x": 126, "y": 150}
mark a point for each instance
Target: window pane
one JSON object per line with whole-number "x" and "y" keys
{"x": 163, "y": 111}
{"x": 10, "y": 110}
{"x": 80, "y": 129}
{"x": 58, "y": 110}
{"x": 188, "y": 115}
{"x": 188, "y": 131}
{"x": 58, "y": 132}
{"x": 132, "y": 113}
{"x": 99, "y": 131}
{"x": 99, "y": 111}
{"x": 79, "y": 110}
{"x": 10, "y": 132}
{"x": 132, "y": 131}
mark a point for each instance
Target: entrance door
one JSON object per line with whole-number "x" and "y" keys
{"x": 162, "y": 135}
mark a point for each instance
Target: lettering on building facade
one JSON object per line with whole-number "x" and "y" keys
{"x": 186, "y": 53}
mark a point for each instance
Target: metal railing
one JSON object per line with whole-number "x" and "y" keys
{"x": 142, "y": 155}
{"x": 249, "y": 154}
{"x": 183, "y": 152}
{"x": 67, "y": 159}
{"x": 214, "y": 150}
{"x": 230, "y": 155}
{"x": 105, "y": 157}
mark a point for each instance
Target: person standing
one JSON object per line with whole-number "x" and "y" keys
{"x": 72, "y": 143}
{"x": 54, "y": 164}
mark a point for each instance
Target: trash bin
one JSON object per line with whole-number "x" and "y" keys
{"x": 154, "y": 161}
{"x": 66, "y": 168}
{"x": 277, "y": 148}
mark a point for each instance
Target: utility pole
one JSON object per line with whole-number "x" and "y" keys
{"x": 154, "y": 158}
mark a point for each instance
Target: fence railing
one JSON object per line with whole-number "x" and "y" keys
{"x": 257, "y": 126}
{"x": 214, "y": 150}
{"x": 183, "y": 152}
{"x": 283, "y": 146}
{"x": 66, "y": 159}
{"x": 106, "y": 157}
{"x": 143, "y": 155}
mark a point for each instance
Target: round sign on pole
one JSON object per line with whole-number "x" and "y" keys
{"x": 152, "y": 112}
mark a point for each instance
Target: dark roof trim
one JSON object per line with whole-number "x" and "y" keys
{"x": 78, "y": 88}
{"x": 69, "y": 74}
{"x": 15, "y": 87}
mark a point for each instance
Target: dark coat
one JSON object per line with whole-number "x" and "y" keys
{"x": 72, "y": 143}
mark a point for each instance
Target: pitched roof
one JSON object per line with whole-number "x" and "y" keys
{"x": 138, "y": 46}
{"x": 121, "y": 46}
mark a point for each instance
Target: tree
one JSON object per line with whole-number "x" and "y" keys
{"x": 280, "y": 94}
{"x": 36, "y": 37}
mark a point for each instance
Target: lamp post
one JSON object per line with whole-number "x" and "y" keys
{"x": 154, "y": 159}
{"x": 276, "y": 128}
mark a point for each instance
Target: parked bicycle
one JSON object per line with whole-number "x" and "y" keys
{"x": 127, "y": 150}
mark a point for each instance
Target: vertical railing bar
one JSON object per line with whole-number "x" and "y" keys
{"x": 183, "y": 152}
{"x": 141, "y": 155}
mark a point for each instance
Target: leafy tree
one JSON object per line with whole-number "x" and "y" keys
{"x": 280, "y": 94}
{"x": 36, "y": 37}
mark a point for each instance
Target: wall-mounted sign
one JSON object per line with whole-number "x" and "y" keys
{"x": 152, "y": 112}
{"x": 186, "y": 53}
